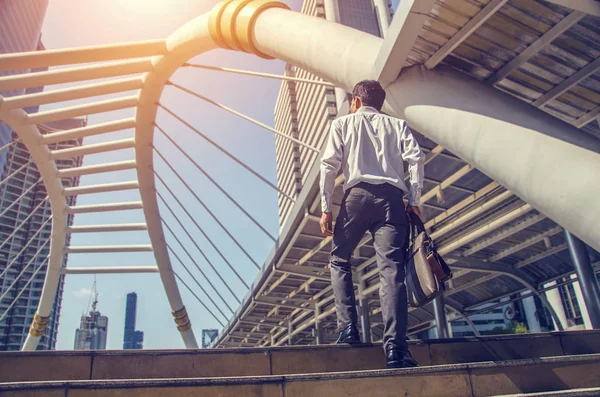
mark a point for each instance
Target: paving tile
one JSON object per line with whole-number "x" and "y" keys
{"x": 253, "y": 390}
{"x": 180, "y": 365}
{"x": 22, "y": 367}
{"x": 495, "y": 349}
{"x": 326, "y": 359}
{"x": 448, "y": 384}
{"x": 34, "y": 393}
{"x": 536, "y": 377}
{"x": 580, "y": 342}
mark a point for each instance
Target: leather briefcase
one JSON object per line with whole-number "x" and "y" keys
{"x": 426, "y": 271}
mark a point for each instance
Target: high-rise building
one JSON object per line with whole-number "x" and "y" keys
{"x": 132, "y": 338}
{"x": 93, "y": 330}
{"x": 208, "y": 336}
{"x": 25, "y": 229}
{"x": 304, "y": 111}
{"x": 20, "y": 30}
{"x": 24, "y": 211}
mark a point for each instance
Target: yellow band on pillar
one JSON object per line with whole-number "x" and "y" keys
{"x": 231, "y": 23}
{"x": 247, "y": 19}
{"x": 179, "y": 313}
{"x": 228, "y": 23}
{"x": 184, "y": 327}
{"x": 214, "y": 23}
{"x": 39, "y": 324}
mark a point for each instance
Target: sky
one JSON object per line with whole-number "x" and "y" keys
{"x": 90, "y": 22}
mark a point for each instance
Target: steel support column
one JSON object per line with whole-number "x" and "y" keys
{"x": 586, "y": 277}
{"x": 363, "y": 312}
{"x": 318, "y": 326}
{"x": 439, "y": 311}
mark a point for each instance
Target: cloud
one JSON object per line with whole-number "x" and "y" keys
{"x": 82, "y": 293}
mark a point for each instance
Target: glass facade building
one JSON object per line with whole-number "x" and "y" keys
{"x": 132, "y": 339}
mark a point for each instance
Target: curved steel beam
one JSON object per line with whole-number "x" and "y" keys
{"x": 40, "y": 153}
{"x": 515, "y": 274}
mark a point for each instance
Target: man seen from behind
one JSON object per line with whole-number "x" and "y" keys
{"x": 370, "y": 148}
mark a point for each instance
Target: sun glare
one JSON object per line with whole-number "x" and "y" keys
{"x": 145, "y": 7}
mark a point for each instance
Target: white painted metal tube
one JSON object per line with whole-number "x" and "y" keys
{"x": 190, "y": 40}
{"x": 70, "y": 56}
{"x": 490, "y": 227}
{"x": 83, "y": 209}
{"x": 70, "y": 75}
{"x": 101, "y": 249}
{"x": 92, "y": 149}
{"x": 471, "y": 214}
{"x": 124, "y": 227}
{"x": 96, "y": 169}
{"x": 101, "y": 188}
{"x": 71, "y": 93}
{"x": 543, "y": 161}
{"x": 89, "y": 130}
{"x": 82, "y": 110}
{"x": 257, "y": 74}
{"x": 109, "y": 270}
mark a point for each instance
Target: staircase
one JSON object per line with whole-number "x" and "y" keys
{"x": 564, "y": 364}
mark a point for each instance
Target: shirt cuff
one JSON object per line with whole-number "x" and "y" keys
{"x": 326, "y": 204}
{"x": 414, "y": 196}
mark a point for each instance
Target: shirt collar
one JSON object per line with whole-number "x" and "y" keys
{"x": 367, "y": 109}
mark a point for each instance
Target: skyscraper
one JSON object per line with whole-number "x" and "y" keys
{"x": 25, "y": 229}
{"x": 304, "y": 111}
{"x": 24, "y": 211}
{"x": 20, "y": 29}
{"x": 93, "y": 330}
{"x": 132, "y": 339}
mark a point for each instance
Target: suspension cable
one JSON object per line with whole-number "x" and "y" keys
{"x": 258, "y": 123}
{"x": 195, "y": 280}
{"x": 197, "y": 266}
{"x": 231, "y": 156}
{"x": 198, "y": 299}
{"x": 201, "y": 251}
{"x": 25, "y": 247}
{"x": 199, "y": 228}
{"x": 203, "y": 205}
{"x": 9, "y": 144}
{"x": 21, "y": 168}
{"x": 24, "y": 269}
{"x": 219, "y": 187}
{"x": 25, "y": 193}
{"x": 33, "y": 212}
{"x": 23, "y": 289}
{"x": 259, "y": 74}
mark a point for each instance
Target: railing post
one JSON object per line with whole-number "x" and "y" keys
{"x": 586, "y": 276}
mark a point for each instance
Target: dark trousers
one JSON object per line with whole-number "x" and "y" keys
{"x": 380, "y": 210}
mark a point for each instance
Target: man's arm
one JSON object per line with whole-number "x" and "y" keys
{"x": 414, "y": 156}
{"x": 330, "y": 166}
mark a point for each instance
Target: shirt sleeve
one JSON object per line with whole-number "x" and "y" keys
{"x": 330, "y": 165}
{"x": 414, "y": 156}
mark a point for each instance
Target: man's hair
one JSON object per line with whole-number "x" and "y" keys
{"x": 370, "y": 92}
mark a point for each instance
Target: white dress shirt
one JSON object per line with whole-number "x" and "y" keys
{"x": 371, "y": 147}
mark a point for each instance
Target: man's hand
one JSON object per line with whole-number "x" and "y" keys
{"x": 327, "y": 223}
{"x": 414, "y": 209}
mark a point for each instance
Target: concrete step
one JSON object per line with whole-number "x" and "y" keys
{"x": 456, "y": 380}
{"x": 147, "y": 364}
{"x": 588, "y": 392}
